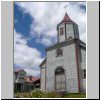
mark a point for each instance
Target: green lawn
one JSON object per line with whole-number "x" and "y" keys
{"x": 75, "y": 95}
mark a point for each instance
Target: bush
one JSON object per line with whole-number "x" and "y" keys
{"x": 37, "y": 94}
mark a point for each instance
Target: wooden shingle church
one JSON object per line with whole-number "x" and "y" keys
{"x": 64, "y": 67}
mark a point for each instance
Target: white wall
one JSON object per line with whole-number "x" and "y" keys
{"x": 42, "y": 78}
{"x": 83, "y": 64}
{"x": 68, "y": 61}
{"x": 69, "y": 30}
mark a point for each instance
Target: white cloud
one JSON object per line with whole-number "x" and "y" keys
{"x": 82, "y": 3}
{"x": 46, "y": 41}
{"x": 24, "y": 56}
{"x": 83, "y": 37}
{"x": 18, "y": 39}
{"x": 46, "y": 16}
{"x": 35, "y": 73}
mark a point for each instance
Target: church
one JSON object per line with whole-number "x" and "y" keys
{"x": 64, "y": 67}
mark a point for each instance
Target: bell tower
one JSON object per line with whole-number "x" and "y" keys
{"x": 67, "y": 29}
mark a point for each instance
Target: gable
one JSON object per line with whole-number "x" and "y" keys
{"x": 22, "y": 72}
{"x": 43, "y": 63}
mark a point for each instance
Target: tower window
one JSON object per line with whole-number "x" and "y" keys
{"x": 84, "y": 73}
{"x": 59, "y": 52}
{"x": 61, "y": 31}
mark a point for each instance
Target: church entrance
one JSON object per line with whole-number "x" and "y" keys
{"x": 60, "y": 80}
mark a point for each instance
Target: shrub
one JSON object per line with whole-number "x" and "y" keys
{"x": 37, "y": 94}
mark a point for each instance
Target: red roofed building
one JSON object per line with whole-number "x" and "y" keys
{"x": 22, "y": 82}
{"x": 32, "y": 82}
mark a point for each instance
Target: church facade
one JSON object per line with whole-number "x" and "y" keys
{"x": 64, "y": 67}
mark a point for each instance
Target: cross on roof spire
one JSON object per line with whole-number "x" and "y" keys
{"x": 65, "y": 7}
{"x": 66, "y": 17}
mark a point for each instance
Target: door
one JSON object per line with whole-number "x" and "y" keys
{"x": 60, "y": 81}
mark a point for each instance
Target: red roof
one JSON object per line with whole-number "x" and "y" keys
{"x": 66, "y": 19}
{"x": 30, "y": 79}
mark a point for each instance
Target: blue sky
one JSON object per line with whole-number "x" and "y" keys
{"x": 35, "y": 29}
{"x": 22, "y": 25}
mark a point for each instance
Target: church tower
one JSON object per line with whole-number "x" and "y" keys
{"x": 64, "y": 67}
{"x": 67, "y": 29}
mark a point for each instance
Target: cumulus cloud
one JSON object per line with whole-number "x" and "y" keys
{"x": 83, "y": 37}
{"x": 26, "y": 57}
{"x": 46, "y": 16}
{"x": 18, "y": 39}
{"x": 32, "y": 72}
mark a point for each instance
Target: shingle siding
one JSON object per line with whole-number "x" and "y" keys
{"x": 83, "y": 64}
{"x": 68, "y": 61}
{"x": 69, "y": 30}
{"x": 42, "y": 78}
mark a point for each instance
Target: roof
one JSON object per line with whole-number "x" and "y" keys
{"x": 43, "y": 62}
{"x": 18, "y": 70}
{"x": 30, "y": 79}
{"x": 68, "y": 42}
{"x": 66, "y": 19}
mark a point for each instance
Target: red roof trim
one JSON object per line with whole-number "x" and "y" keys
{"x": 66, "y": 19}
{"x": 28, "y": 80}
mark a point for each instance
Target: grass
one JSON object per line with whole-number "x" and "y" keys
{"x": 44, "y": 94}
{"x": 75, "y": 95}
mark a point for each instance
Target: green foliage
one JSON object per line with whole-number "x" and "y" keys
{"x": 44, "y": 94}
{"x": 37, "y": 94}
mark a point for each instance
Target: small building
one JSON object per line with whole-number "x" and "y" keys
{"x": 32, "y": 83}
{"x": 19, "y": 82}
{"x": 23, "y": 82}
{"x": 64, "y": 67}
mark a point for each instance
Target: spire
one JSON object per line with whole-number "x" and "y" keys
{"x": 66, "y": 18}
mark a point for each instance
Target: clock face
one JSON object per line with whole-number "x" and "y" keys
{"x": 69, "y": 30}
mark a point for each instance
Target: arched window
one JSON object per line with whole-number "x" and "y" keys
{"x": 60, "y": 83}
{"x": 59, "y": 70}
{"x": 59, "y": 52}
